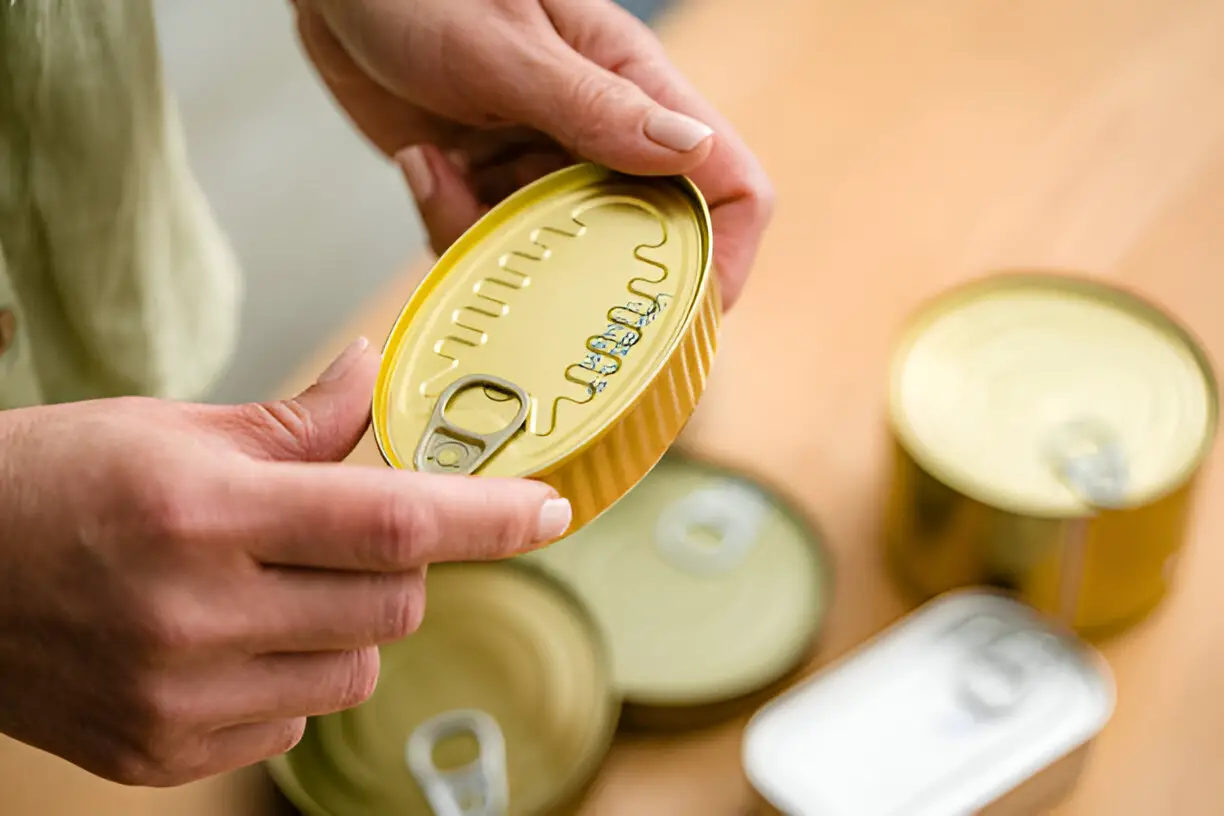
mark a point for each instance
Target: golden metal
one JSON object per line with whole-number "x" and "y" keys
{"x": 1084, "y": 516}
{"x": 544, "y": 717}
{"x": 592, "y": 293}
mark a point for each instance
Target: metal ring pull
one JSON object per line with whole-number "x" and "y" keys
{"x": 479, "y": 788}
{"x": 730, "y": 511}
{"x": 447, "y": 448}
{"x": 1089, "y": 458}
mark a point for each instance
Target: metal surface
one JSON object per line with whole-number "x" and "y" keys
{"x": 505, "y": 655}
{"x": 1048, "y": 435}
{"x": 973, "y": 704}
{"x": 447, "y": 448}
{"x": 589, "y": 292}
{"x": 707, "y": 587}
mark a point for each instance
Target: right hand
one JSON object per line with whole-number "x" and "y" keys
{"x": 182, "y": 585}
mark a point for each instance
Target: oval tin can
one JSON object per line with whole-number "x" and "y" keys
{"x": 1048, "y": 434}
{"x": 709, "y": 589}
{"x": 499, "y": 705}
{"x": 566, "y": 337}
{"x": 974, "y": 703}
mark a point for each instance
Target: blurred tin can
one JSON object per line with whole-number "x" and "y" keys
{"x": 1048, "y": 433}
{"x": 499, "y": 705}
{"x": 566, "y": 337}
{"x": 975, "y": 703}
{"x": 709, "y": 589}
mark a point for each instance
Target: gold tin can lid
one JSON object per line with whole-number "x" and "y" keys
{"x": 566, "y": 337}
{"x": 503, "y": 696}
{"x": 1052, "y": 396}
{"x": 706, "y": 586}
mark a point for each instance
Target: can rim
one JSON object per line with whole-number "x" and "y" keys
{"x": 817, "y": 543}
{"x": 1111, "y": 292}
{"x": 452, "y": 258}
{"x": 283, "y": 775}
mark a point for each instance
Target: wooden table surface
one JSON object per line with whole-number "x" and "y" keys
{"x": 914, "y": 144}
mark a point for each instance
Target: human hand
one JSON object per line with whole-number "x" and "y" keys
{"x": 477, "y": 98}
{"x": 181, "y": 585}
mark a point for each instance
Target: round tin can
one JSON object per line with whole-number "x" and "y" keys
{"x": 499, "y": 705}
{"x": 1048, "y": 434}
{"x": 708, "y": 589}
{"x": 566, "y": 337}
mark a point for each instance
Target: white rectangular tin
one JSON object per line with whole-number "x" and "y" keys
{"x": 973, "y": 704}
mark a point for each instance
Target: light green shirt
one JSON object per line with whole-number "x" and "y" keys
{"x": 110, "y": 259}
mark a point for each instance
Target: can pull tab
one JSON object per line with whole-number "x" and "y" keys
{"x": 1000, "y": 673}
{"x": 447, "y": 448}
{"x": 1089, "y": 458}
{"x": 478, "y": 788}
{"x": 711, "y": 530}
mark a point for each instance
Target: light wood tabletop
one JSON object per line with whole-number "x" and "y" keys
{"x": 915, "y": 145}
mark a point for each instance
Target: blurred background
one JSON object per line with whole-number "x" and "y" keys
{"x": 266, "y": 144}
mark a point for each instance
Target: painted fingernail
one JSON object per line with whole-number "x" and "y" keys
{"x": 675, "y": 131}
{"x": 340, "y": 366}
{"x": 555, "y": 518}
{"x": 416, "y": 172}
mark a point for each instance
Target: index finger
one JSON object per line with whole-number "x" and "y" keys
{"x": 740, "y": 194}
{"x": 345, "y": 517}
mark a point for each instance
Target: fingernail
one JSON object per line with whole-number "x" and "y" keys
{"x": 340, "y": 366}
{"x": 675, "y": 131}
{"x": 555, "y": 518}
{"x": 416, "y": 172}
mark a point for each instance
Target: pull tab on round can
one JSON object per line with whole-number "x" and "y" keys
{"x": 1089, "y": 458}
{"x": 447, "y": 448}
{"x": 711, "y": 530}
{"x": 478, "y": 788}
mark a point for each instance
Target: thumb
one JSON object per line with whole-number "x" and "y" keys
{"x": 323, "y": 423}
{"x": 600, "y": 116}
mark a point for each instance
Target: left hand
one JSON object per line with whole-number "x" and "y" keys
{"x": 475, "y": 98}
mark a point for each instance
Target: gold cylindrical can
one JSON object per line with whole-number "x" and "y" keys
{"x": 566, "y": 337}
{"x": 1048, "y": 434}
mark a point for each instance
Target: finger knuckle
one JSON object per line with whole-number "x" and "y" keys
{"x": 167, "y": 510}
{"x": 168, "y": 627}
{"x": 154, "y": 750}
{"x": 284, "y": 426}
{"x": 158, "y": 714}
{"x": 594, "y": 100}
{"x": 406, "y": 609}
{"x": 404, "y": 527}
{"x": 358, "y": 678}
